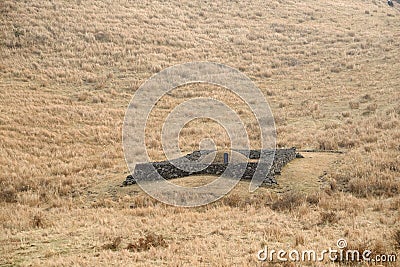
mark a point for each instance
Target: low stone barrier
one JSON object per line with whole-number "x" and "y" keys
{"x": 168, "y": 170}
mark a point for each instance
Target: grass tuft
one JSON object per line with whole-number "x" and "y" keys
{"x": 145, "y": 243}
{"x": 288, "y": 201}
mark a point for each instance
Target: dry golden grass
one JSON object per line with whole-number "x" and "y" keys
{"x": 329, "y": 69}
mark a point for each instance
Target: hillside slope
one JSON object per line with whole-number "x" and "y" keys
{"x": 330, "y": 71}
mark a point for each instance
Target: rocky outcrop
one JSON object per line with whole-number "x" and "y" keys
{"x": 245, "y": 170}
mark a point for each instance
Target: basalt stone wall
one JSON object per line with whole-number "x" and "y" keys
{"x": 244, "y": 170}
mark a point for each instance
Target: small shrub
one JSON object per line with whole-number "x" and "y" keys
{"x": 359, "y": 246}
{"x": 328, "y": 217}
{"x": 236, "y": 201}
{"x": 395, "y": 204}
{"x": 232, "y": 200}
{"x": 330, "y": 187}
{"x": 147, "y": 242}
{"x": 373, "y": 187}
{"x": 313, "y": 199}
{"x": 8, "y": 194}
{"x": 327, "y": 144}
{"x": 288, "y": 201}
{"x": 38, "y": 221}
{"x": 143, "y": 202}
{"x": 114, "y": 244}
{"x": 379, "y": 247}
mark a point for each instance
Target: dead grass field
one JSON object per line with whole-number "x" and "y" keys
{"x": 329, "y": 69}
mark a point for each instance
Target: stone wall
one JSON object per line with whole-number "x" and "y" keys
{"x": 168, "y": 170}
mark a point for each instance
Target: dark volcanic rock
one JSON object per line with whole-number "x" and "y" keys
{"x": 168, "y": 170}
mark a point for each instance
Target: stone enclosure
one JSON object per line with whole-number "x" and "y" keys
{"x": 191, "y": 164}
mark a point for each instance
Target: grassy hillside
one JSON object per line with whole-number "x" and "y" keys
{"x": 329, "y": 69}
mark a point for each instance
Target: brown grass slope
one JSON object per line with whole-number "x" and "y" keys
{"x": 329, "y": 69}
